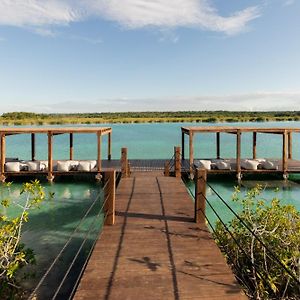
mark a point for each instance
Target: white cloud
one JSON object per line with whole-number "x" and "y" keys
{"x": 288, "y": 2}
{"x": 130, "y": 14}
{"x": 260, "y": 101}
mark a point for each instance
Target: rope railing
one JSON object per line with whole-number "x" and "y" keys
{"x": 270, "y": 252}
{"x": 108, "y": 192}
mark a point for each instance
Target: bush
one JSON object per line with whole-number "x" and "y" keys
{"x": 13, "y": 254}
{"x": 278, "y": 227}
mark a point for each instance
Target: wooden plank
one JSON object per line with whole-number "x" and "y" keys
{"x": 177, "y": 159}
{"x": 191, "y": 149}
{"x": 182, "y": 144}
{"x": 110, "y": 197}
{"x": 154, "y": 250}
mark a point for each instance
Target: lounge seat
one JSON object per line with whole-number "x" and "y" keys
{"x": 203, "y": 163}
{"x": 12, "y": 166}
{"x": 87, "y": 166}
{"x": 269, "y": 165}
{"x": 222, "y": 165}
{"x": 249, "y": 164}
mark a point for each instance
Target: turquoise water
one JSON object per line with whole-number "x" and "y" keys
{"x": 51, "y": 226}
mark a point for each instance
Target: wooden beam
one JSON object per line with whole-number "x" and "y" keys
{"x": 191, "y": 154}
{"x": 71, "y": 146}
{"x": 99, "y": 149}
{"x": 110, "y": 197}
{"x": 50, "y": 176}
{"x": 33, "y": 146}
{"x": 284, "y": 152}
{"x": 177, "y": 161}
{"x": 238, "y": 152}
{"x": 200, "y": 195}
{"x": 182, "y": 143}
{"x": 218, "y": 144}
{"x": 254, "y": 144}
{"x": 109, "y": 146}
{"x": 2, "y": 162}
{"x": 290, "y": 145}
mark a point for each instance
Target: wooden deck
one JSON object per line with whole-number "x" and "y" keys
{"x": 155, "y": 251}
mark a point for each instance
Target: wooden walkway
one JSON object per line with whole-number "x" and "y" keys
{"x": 155, "y": 251}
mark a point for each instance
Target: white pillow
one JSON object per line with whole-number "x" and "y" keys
{"x": 249, "y": 164}
{"x": 269, "y": 165}
{"x": 43, "y": 165}
{"x": 12, "y": 166}
{"x": 33, "y": 165}
{"x": 73, "y": 164}
{"x": 223, "y": 165}
{"x": 202, "y": 163}
{"x": 84, "y": 166}
{"x": 63, "y": 166}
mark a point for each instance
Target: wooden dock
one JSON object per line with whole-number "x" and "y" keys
{"x": 155, "y": 250}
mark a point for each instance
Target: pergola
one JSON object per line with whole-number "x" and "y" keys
{"x": 238, "y": 131}
{"x": 51, "y": 132}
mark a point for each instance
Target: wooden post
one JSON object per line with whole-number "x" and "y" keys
{"x": 284, "y": 152}
{"x": 191, "y": 146}
{"x": 109, "y": 147}
{"x": 200, "y": 195}
{"x": 71, "y": 146}
{"x": 218, "y": 145}
{"x": 124, "y": 162}
{"x": 254, "y": 145}
{"x": 99, "y": 149}
{"x": 167, "y": 168}
{"x": 238, "y": 154}
{"x": 2, "y": 163}
{"x": 182, "y": 144}
{"x": 50, "y": 176}
{"x": 33, "y": 147}
{"x": 290, "y": 145}
{"x": 110, "y": 197}
{"x": 177, "y": 161}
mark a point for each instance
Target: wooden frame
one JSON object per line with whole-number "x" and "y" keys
{"x": 99, "y": 131}
{"x": 238, "y": 131}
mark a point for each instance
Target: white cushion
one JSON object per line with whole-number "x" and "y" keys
{"x": 12, "y": 166}
{"x": 33, "y": 165}
{"x": 249, "y": 164}
{"x": 43, "y": 165}
{"x": 84, "y": 166}
{"x": 202, "y": 163}
{"x": 223, "y": 165}
{"x": 63, "y": 166}
{"x": 73, "y": 164}
{"x": 269, "y": 165}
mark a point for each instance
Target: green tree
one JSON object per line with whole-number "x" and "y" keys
{"x": 14, "y": 255}
{"x": 278, "y": 228}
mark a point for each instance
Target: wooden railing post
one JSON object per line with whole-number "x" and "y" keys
{"x": 124, "y": 163}
{"x": 167, "y": 168}
{"x": 50, "y": 176}
{"x": 284, "y": 154}
{"x": 177, "y": 161}
{"x": 110, "y": 197}
{"x": 200, "y": 195}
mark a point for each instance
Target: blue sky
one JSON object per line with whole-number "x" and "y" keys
{"x": 139, "y": 55}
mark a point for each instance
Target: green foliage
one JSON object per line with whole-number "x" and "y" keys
{"x": 29, "y": 118}
{"x": 278, "y": 227}
{"x": 13, "y": 254}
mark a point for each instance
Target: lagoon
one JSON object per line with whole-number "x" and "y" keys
{"x": 51, "y": 226}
